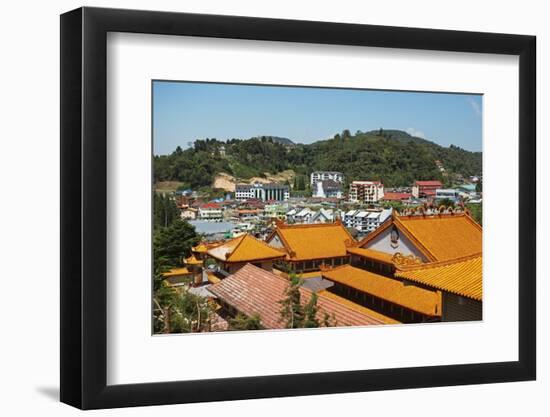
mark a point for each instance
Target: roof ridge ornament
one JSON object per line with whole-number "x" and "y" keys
{"x": 405, "y": 260}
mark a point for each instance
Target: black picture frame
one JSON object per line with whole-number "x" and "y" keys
{"x": 84, "y": 207}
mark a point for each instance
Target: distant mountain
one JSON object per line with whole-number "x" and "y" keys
{"x": 400, "y": 135}
{"x": 392, "y": 156}
{"x": 277, "y": 139}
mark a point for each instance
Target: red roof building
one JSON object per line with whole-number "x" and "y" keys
{"x": 390, "y": 196}
{"x": 423, "y": 189}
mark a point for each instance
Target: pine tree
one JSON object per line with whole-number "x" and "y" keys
{"x": 310, "y": 312}
{"x": 243, "y": 322}
{"x": 292, "y": 312}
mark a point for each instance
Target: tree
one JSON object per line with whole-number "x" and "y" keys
{"x": 172, "y": 243}
{"x": 243, "y": 322}
{"x": 165, "y": 210}
{"x": 346, "y": 134}
{"x": 292, "y": 312}
{"x": 310, "y": 312}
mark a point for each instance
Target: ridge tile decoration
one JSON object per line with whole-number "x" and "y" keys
{"x": 377, "y": 226}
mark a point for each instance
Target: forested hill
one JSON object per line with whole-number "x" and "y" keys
{"x": 392, "y": 156}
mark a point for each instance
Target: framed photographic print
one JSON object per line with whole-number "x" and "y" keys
{"x": 258, "y": 207}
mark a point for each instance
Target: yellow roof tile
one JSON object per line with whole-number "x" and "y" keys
{"x": 372, "y": 254}
{"x": 176, "y": 272}
{"x": 245, "y": 248}
{"x": 461, "y": 276}
{"x": 445, "y": 236}
{"x": 439, "y": 237}
{"x": 192, "y": 260}
{"x": 314, "y": 241}
{"x": 409, "y": 296}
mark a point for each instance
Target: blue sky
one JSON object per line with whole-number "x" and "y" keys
{"x": 185, "y": 111}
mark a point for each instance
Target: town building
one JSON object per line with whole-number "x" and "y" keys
{"x": 367, "y": 192}
{"x": 323, "y": 216}
{"x": 396, "y": 196}
{"x": 211, "y": 212}
{"x": 263, "y": 192}
{"x": 317, "y": 176}
{"x": 235, "y": 253}
{"x": 275, "y": 211}
{"x": 447, "y": 194}
{"x": 425, "y": 189}
{"x": 304, "y": 215}
{"x": 366, "y": 221}
{"x": 253, "y": 291}
{"x": 188, "y": 213}
{"x": 308, "y": 246}
{"x": 327, "y": 189}
{"x": 460, "y": 282}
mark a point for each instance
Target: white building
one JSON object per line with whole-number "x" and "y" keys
{"x": 326, "y": 175}
{"x": 366, "y": 191}
{"x": 327, "y": 189}
{"x": 366, "y": 221}
{"x": 188, "y": 213}
{"x": 304, "y": 215}
{"x": 323, "y": 216}
{"x": 211, "y": 211}
{"x": 264, "y": 192}
{"x": 447, "y": 194}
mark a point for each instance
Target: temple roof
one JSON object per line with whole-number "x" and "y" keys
{"x": 372, "y": 254}
{"x": 314, "y": 241}
{"x": 175, "y": 272}
{"x": 252, "y": 290}
{"x": 439, "y": 237}
{"x": 461, "y": 276}
{"x": 244, "y": 248}
{"x": 409, "y": 296}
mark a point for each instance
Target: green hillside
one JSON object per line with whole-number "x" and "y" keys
{"x": 392, "y": 156}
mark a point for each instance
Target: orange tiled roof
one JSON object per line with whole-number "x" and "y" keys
{"x": 252, "y": 290}
{"x": 461, "y": 276}
{"x": 439, "y": 237}
{"x": 446, "y": 236}
{"x": 409, "y": 296}
{"x": 203, "y": 247}
{"x": 244, "y": 248}
{"x": 314, "y": 241}
{"x": 373, "y": 254}
{"x": 176, "y": 272}
{"x": 357, "y": 307}
{"x": 192, "y": 260}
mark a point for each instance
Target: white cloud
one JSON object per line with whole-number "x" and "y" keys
{"x": 413, "y": 132}
{"x": 475, "y": 106}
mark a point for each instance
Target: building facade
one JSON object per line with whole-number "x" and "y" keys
{"x": 326, "y": 175}
{"x": 365, "y": 221}
{"x": 211, "y": 211}
{"x": 263, "y": 192}
{"x": 327, "y": 189}
{"x": 366, "y": 191}
{"x": 425, "y": 189}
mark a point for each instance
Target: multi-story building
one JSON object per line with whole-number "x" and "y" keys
{"x": 327, "y": 189}
{"x": 326, "y": 175}
{"x": 366, "y": 191}
{"x": 211, "y": 211}
{"x": 264, "y": 192}
{"x": 365, "y": 221}
{"x": 425, "y": 189}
